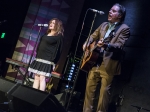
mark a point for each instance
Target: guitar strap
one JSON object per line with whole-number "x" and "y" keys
{"x": 111, "y": 35}
{"x": 117, "y": 27}
{"x": 105, "y": 28}
{"x": 108, "y": 39}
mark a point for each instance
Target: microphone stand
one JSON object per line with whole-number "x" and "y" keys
{"x": 75, "y": 81}
{"x": 17, "y": 68}
{"x": 140, "y": 108}
{"x": 32, "y": 55}
{"x": 29, "y": 40}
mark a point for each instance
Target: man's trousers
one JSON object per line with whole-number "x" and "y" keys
{"x": 97, "y": 90}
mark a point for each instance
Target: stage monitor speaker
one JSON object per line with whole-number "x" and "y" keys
{"x": 27, "y": 99}
{"x": 6, "y": 85}
{"x": 6, "y": 88}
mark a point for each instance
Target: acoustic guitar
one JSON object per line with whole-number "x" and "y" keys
{"x": 90, "y": 57}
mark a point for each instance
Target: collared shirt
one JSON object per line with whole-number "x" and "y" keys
{"x": 110, "y": 28}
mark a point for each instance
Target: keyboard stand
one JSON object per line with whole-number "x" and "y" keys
{"x": 24, "y": 76}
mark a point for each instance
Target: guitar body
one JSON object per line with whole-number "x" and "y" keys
{"x": 89, "y": 59}
{"x": 88, "y": 63}
{"x": 90, "y": 56}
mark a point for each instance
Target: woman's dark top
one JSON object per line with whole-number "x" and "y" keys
{"x": 50, "y": 48}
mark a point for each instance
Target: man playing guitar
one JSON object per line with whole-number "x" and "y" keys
{"x": 110, "y": 37}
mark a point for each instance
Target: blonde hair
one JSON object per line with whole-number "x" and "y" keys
{"x": 58, "y": 26}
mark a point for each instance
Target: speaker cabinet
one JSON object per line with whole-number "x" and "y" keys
{"x": 6, "y": 87}
{"x": 20, "y": 98}
{"x": 27, "y": 99}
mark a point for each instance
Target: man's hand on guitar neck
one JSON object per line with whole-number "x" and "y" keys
{"x": 85, "y": 47}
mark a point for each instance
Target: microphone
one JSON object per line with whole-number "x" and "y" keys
{"x": 100, "y": 12}
{"x": 43, "y": 25}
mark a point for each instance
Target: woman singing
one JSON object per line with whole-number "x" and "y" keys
{"x": 48, "y": 53}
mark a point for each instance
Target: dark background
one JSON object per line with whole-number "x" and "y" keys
{"x": 135, "y": 78}
{"x": 14, "y": 12}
